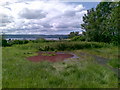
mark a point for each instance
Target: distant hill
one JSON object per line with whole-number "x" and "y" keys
{"x": 7, "y": 36}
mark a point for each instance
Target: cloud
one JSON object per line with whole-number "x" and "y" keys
{"x": 5, "y": 16}
{"x": 69, "y": 13}
{"x": 5, "y": 19}
{"x": 32, "y": 14}
{"x": 40, "y": 17}
{"x": 79, "y": 7}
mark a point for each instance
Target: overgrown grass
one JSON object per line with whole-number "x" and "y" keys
{"x": 114, "y": 63}
{"x": 0, "y": 67}
{"x": 18, "y": 72}
{"x": 62, "y": 46}
{"x": 112, "y": 53}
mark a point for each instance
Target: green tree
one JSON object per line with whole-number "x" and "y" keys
{"x": 113, "y": 22}
{"x": 101, "y": 23}
{"x": 4, "y": 41}
{"x": 73, "y": 34}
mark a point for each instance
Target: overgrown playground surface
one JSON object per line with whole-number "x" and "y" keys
{"x": 82, "y": 72}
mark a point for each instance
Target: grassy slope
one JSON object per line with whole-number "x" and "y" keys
{"x": 81, "y": 73}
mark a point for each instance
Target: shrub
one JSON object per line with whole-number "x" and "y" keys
{"x": 78, "y": 38}
{"x": 4, "y": 43}
{"x": 62, "y": 46}
{"x": 12, "y": 42}
{"x": 39, "y": 40}
{"x": 20, "y": 42}
{"x": 25, "y": 41}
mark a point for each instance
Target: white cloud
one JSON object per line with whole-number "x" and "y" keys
{"x": 32, "y": 14}
{"x": 40, "y": 17}
{"x": 79, "y": 7}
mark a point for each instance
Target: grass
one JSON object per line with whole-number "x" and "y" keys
{"x": 48, "y": 54}
{"x": 82, "y": 72}
{"x": 0, "y": 67}
{"x": 114, "y": 63}
{"x": 112, "y": 53}
{"x": 62, "y": 46}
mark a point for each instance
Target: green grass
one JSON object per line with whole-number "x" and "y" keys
{"x": 84, "y": 72}
{"x": 112, "y": 53}
{"x": 114, "y": 63}
{"x": 62, "y": 46}
{"x": 48, "y": 54}
{"x": 0, "y": 67}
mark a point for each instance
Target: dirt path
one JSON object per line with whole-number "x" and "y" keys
{"x": 102, "y": 61}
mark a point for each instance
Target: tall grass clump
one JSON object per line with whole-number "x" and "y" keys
{"x": 114, "y": 63}
{"x": 89, "y": 74}
{"x": 40, "y": 40}
{"x": 62, "y": 46}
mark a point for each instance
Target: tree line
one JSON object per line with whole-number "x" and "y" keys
{"x": 101, "y": 24}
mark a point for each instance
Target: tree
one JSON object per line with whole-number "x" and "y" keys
{"x": 4, "y": 41}
{"x": 101, "y": 23}
{"x": 73, "y": 34}
{"x": 113, "y": 22}
{"x": 90, "y": 25}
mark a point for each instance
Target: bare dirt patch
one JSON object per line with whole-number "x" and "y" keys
{"x": 50, "y": 56}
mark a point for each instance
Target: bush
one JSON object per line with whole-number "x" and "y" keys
{"x": 61, "y": 46}
{"x": 12, "y": 42}
{"x": 25, "y": 41}
{"x": 39, "y": 40}
{"x": 19, "y": 42}
{"x": 73, "y": 34}
{"x": 4, "y": 43}
{"x": 78, "y": 38}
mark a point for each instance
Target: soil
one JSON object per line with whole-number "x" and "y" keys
{"x": 50, "y": 56}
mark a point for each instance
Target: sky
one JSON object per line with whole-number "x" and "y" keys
{"x": 42, "y": 17}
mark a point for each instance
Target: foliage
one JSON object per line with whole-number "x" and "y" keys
{"x": 78, "y": 38}
{"x": 39, "y": 40}
{"x": 73, "y": 34}
{"x": 19, "y": 42}
{"x": 101, "y": 23}
{"x": 3, "y": 41}
{"x": 62, "y": 46}
{"x": 12, "y": 42}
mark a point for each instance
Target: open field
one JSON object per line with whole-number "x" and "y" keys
{"x": 82, "y": 72}
{"x": 47, "y": 44}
